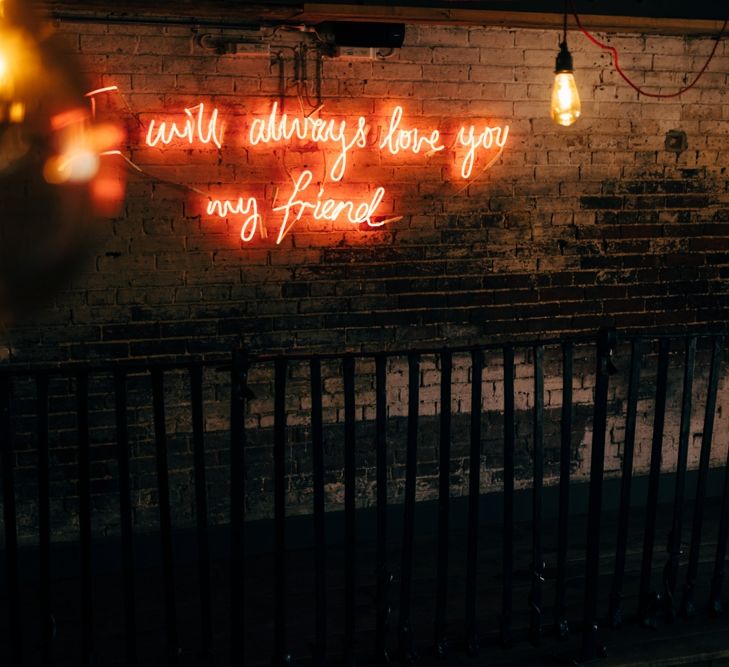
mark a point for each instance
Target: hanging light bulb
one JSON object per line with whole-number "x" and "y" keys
{"x": 566, "y": 107}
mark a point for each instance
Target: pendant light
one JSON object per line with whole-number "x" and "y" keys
{"x": 566, "y": 107}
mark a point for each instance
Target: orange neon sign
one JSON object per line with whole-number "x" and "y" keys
{"x": 488, "y": 138}
{"x": 193, "y": 129}
{"x": 279, "y": 128}
{"x": 242, "y": 206}
{"x": 309, "y": 198}
{"x": 397, "y": 139}
{"x": 325, "y": 208}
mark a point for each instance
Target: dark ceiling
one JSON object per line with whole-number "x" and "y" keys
{"x": 634, "y": 15}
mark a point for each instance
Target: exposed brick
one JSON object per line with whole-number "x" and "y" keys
{"x": 569, "y": 230}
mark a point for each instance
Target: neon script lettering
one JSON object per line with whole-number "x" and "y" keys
{"x": 195, "y": 127}
{"x": 396, "y": 139}
{"x": 325, "y": 209}
{"x": 242, "y": 206}
{"x": 489, "y": 137}
{"x": 277, "y": 128}
{"x": 340, "y": 138}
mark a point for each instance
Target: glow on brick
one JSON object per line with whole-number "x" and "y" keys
{"x": 324, "y": 208}
{"x": 280, "y": 127}
{"x": 472, "y": 139}
{"x": 243, "y": 207}
{"x": 397, "y": 139}
{"x": 326, "y": 148}
{"x": 196, "y": 127}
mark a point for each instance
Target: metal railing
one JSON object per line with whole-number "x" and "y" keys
{"x": 674, "y": 599}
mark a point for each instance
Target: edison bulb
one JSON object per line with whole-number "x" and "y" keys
{"x": 566, "y": 107}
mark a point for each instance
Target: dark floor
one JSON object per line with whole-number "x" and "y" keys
{"x": 700, "y": 641}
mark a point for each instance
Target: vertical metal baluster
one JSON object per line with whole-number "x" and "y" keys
{"x": 44, "y": 521}
{"x": 565, "y": 461}
{"x": 15, "y": 628}
{"x": 317, "y": 445}
{"x": 474, "y": 488}
{"x": 715, "y": 604}
{"x": 646, "y": 601}
{"x": 591, "y": 648}
{"x": 125, "y": 518}
{"x": 670, "y": 572}
{"x": 238, "y": 388}
{"x": 84, "y": 476}
{"x": 444, "y": 472}
{"x": 384, "y": 577}
{"x": 281, "y": 656}
{"x": 687, "y": 603}
{"x": 350, "y": 493}
{"x": 535, "y": 598}
{"x": 616, "y": 595}
{"x": 508, "y": 540}
{"x": 201, "y": 507}
{"x": 165, "y": 516}
{"x": 405, "y": 632}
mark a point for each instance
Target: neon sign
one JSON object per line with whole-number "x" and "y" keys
{"x": 489, "y": 137}
{"x": 193, "y": 129}
{"x": 242, "y": 206}
{"x": 397, "y": 139}
{"x": 281, "y": 128}
{"x": 309, "y": 197}
{"x": 326, "y": 209}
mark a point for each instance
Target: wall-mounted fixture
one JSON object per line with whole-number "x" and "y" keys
{"x": 245, "y": 43}
{"x": 676, "y": 141}
{"x": 365, "y": 35}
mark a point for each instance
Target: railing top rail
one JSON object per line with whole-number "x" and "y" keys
{"x": 578, "y": 338}
{"x": 126, "y": 365}
{"x": 222, "y": 362}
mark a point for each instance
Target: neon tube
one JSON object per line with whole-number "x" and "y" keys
{"x": 193, "y": 129}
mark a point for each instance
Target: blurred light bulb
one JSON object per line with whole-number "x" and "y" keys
{"x": 80, "y": 146}
{"x": 6, "y": 87}
{"x": 77, "y": 160}
{"x": 566, "y": 107}
{"x": 79, "y": 165}
{"x": 47, "y": 130}
{"x": 12, "y": 110}
{"x": 16, "y": 112}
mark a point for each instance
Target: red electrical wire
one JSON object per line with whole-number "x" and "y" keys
{"x": 614, "y": 53}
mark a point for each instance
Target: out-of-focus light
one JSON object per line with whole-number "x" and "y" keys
{"x": 79, "y": 165}
{"x": 80, "y": 144}
{"x": 8, "y": 112}
{"x": 16, "y": 112}
{"x": 54, "y": 180}
{"x": 566, "y": 106}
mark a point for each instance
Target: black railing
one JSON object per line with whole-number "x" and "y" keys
{"x": 223, "y": 555}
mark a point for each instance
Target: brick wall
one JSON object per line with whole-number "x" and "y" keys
{"x": 570, "y": 229}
